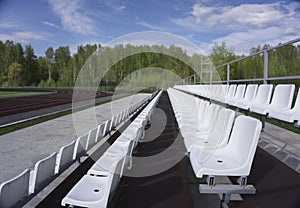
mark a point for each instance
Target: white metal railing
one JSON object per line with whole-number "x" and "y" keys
{"x": 265, "y": 53}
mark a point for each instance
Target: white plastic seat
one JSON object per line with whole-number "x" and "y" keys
{"x": 206, "y": 125}
{"x": 217, "y": 137}
{"x": 107, "y": 127}
{"x": 91, "y": 140}
{"x": 120, "y": 117}
{"x": 105, "y": 164}
{"x": 133, "y": 132}
{"x": 281, "y": 101}
{"x": 93, "y": 191}
{"x": 90, "y": 191}
{"x": 112, "y": 123}
{"x": 249, "y": 95}
{"x": 80, "y": 145}
{"x": 230, "y": 93}
{"x": 187, "y": 104}
{"x": 197, "y": 118}
{"x": 223, "y": 90}
{"x": 262, "y": 97}
{"x": 290, "y": 115}
{"x": 234, "y": 159}
{"x": 64, "y": 157}
{"x": 99, "y": 134}
{"x": 43, "y": 170}
{"x": 14, "y": 190}
{"x": 239, "y": 94}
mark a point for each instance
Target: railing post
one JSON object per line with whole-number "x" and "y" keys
{"x": 200, "y": 75}
{"x": 266, "y": 63}
{"x": 228, "y": 73}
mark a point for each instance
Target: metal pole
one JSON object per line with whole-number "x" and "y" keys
{"x": 266, "y": 62}
{"x": 228, "y": 73}
{"x": 200, "y": 76}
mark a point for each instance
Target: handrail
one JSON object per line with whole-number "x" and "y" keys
{"x": 265, "y": 78}
{"x": 260, "y": 52}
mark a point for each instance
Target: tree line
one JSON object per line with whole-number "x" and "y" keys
{"x": 59, "y": 68}
{"x": 283, "y": 61}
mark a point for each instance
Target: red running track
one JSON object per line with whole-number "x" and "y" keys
{"x": 11, "y": 106}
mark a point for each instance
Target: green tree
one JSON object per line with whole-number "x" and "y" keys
{"x": 31, "y": 73}
{"x": 14, "y": 72}
{"x": 221, "y": 54}
{"x": 50, "y": 61}
{"x": 62, "y": 57}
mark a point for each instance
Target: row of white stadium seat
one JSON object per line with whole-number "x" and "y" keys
{"x": 31, "y": 181}
{"x": 102, "y": 179}
{"x": 217, "y": 145}
{"x": 254, "y": 98}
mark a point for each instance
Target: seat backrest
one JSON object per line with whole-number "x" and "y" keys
{"x": 211, "y": 115}
{"x": 202, "y": 110}
{"x": 239, "y": 94}
{"x": 224, "y": 91}
{"x": 80, "y": 146}
{"x": 220, "y": 133}
{"x": 43, "y": 170}
{"x": 112, "y": 123}
{"x": 231, "y": 91}
{"x": 116, "y": 123}
{"x": 99, "y": 134}
{"x": 105, "y": 164}
{"x": 124, "y": 112}
{"x": 65, "y": 157}
{"x": 117, "y": 174}
{"x": 101, "y": 128}
{"x": 250, "y": 92}
{"x": 14, "y": 190}
{"x": 264, "y": 93}
{"x": 119, "y": 120}
{"x": 243, "y": 139}
{"x": 296, "y": 107}
{"x": 283, "y": 96}
{"x": 107, "y": 126}
{"x": 91, "y": 140}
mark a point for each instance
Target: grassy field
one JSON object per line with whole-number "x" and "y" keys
{"x": 10, "y": 94}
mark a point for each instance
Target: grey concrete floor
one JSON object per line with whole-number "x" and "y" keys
{"x": 23, "y": 148}
{"x": 282, "y": 144}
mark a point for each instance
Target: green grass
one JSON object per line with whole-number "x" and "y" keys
{"x": 11, "y": 94}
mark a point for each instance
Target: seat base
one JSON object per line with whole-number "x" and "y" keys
{"x": 226, "y": 190}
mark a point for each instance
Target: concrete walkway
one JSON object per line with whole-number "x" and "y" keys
{"x": 23, "y": 148}
{"x": 282, "y": 144}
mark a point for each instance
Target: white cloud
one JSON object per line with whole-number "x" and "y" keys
{"x": 241, "y": 42}
{"x": 147, "y": 25}
{"x": 245, "y": 15}
{"x": 121, "y": 8}
{"x": 73, "y": 17}
{"x": 23, "y": 37}
{"x": 257, "y": 15}
{"x": 9, "y": 25}
{"x": 50, "y": 24}
{"x": 246, "y": 25}
{"x": 113, "y": 5}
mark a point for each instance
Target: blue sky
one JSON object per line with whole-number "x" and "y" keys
{"x": 241, "y": 24}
